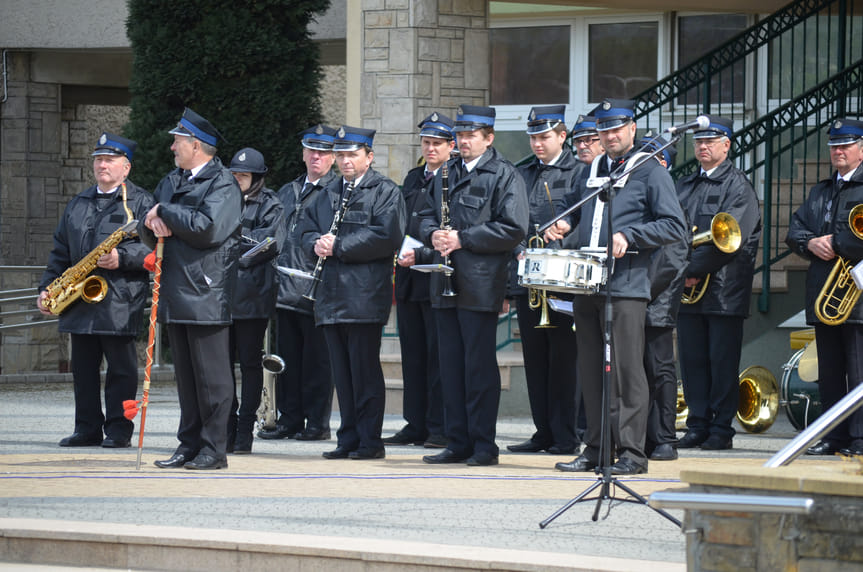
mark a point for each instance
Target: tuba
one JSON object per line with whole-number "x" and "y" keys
{"x": 76, "y": 282}
{"x": 757, "y": 405}
{"x": 839, "y": 293}
{"x": 725, "y": 234}
{"x": 273, "y": 366}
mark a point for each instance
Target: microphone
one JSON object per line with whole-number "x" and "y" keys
{"x": 700, "y": 122}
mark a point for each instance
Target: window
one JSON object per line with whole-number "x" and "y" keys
{"x": 622, "y": 59}
{"x": 530, "y": 65}
{"x": 698, "y": 35}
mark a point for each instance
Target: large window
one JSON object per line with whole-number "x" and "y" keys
{"x": 622, "y": 59}
{"x": 530, "y": 65}
{"x": 697, "y": 35}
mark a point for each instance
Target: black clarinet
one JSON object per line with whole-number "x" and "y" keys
{"x": 445, "y": 225}
{"x": 334, "y": 230}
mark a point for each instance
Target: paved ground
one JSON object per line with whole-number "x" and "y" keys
{"x": 285, "y": 486}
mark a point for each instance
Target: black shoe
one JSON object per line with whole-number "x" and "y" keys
{"x": 580, "y": 464}
{"x": 403, "y": 438}
{"x": 311, "y": 434}
{"x": 206, "y": 463}
{"x": 558, "y": 450}
{"x": 855, "y": 448}
{"x": 81, "y": 440}
{"x": 823, "y": 448}
{"x": 176, "y": 461}
{"x": 664, "y": 452}
{"x": 626, "y": 466}
{"x": 110, "y": 443}
{"x": 337, "y": 453}
{"x": 364, "y": 453}
{"x": 243, "y": 443}
{"x": 482, "y": 459}
{"x": 280, "y": 432}
{"x": 529, "y": 446}
{"x": 445, "y": 456}
{"x": 435, "y": 442}
{"x": 716, "y": 443}
{"x": 692, "y": 439}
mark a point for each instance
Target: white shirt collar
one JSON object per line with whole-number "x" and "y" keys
{"x": 848, "y": 175}
{"x": 553, "y": 161}
{"x": 470, "y": 165}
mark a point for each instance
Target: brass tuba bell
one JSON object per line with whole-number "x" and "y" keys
{"x": 839, "y": 293}
{"x": 725, "y": 234}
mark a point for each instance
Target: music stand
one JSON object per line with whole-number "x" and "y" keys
{"x": 605, "y": 479}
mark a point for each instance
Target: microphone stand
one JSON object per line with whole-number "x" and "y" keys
{"x": 605, "y": 479}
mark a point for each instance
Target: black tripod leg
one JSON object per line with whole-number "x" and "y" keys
{"x": 569, "y": 505}
{"x": 643, "y": 501}
{"x": 603, "y": 495}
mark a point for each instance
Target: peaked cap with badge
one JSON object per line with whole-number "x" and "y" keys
{"x": 353, "y": 138}
{"x": 111, "y": 144}
{"x": 436, "y": 125}
{"x": 193, "y": 125}
{"x": 319, "y": 138}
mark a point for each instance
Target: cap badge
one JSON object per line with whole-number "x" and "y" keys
{"x": 837, "y": 124}
{"x": 434, "y": 116}
{"x": 580, "y": 119}
{"x": 606, "y": 105}
{"x": 319, "y": 130}
{"x": 103, "y": 139}
{"x": 242, "y": 157}
{"x": 532, "y": 115}
{"x": 460, "y": 110}
{"x": 341, "y": 133}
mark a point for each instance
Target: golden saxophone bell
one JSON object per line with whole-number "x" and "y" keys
{"x": 725, "y": 235}
{"x": 839, "y": 294}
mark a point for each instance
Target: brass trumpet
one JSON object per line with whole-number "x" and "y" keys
{"x": 839, "y": 293}
{"x": 725, "y": 234}
{"x": 537, "y": 298}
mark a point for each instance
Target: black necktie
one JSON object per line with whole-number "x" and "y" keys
{"x": 307, "y": 188}
{"x": 428, "y": 176}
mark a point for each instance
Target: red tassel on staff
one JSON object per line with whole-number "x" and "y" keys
{"x": 131, "y": 406}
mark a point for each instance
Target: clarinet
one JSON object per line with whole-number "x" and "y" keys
{"x": 334, "y": 230}
{"x": 445, "y": 225}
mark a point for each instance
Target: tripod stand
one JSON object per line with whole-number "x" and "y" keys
{"x": 605, "y": 480}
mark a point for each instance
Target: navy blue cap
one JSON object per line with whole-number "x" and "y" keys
{"x": 193, "y": 125}
{"x": 110, "y": 144}
{"x": 585, "y": 125}
{"x": 473, "y": 117}
{"x": 545, "y": 118}
{"x": 352, "y": 138}
{"x": 613, "y": 113}
{"x": 649, "y": 143}
{"x": 719, "y": 127}
{"x": 844, "y": 131}
{"x": 319, "y": 138}
{"x": 436, "y": 125}
{"x": 248, "y": 160}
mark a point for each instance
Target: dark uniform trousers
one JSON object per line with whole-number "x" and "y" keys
{"x": 121, "y": 383}
{"x": 247, "y": 341}
{"x": 204, "y": 386}
{"x": 840, "y": 370}
{"x": 470, "y": 379}
{"x": 628, "y": 395}
{"x": 422, "y": 401}
{"x": 709, "y": 347}
{"x": 549, "y": 363}
{"x": 355, "y": 358}
{"x": 304, "y": 392}
{"x": 662, "y": 385}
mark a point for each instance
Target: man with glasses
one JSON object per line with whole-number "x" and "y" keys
{"x": 710, "y": 330}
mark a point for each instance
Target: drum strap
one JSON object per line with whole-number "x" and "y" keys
{"x": 594, "y": 182}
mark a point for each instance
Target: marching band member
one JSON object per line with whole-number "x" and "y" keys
{"x": 488, "y": 219}
{"x": 710, "y": 331}
{"x": 255, "y": 297}
{"x": 108, "y": 328}
{"x": 422, "y": 402}
{"x": 549, "y": 353}
{"x": 198, "y": 212}
{"x": 647, "y": 215}
{"x": 820, "y": 232}
{"x": 354, "y": 296}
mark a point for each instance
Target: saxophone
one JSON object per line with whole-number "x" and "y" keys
{"x": 75, "y": 283}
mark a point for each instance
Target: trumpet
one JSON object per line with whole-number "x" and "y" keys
{"x": 725, "y": 234}
{"x": 537, "y": 298}
{"x": 334, "y": 230}
{"x": 839, "y": 294}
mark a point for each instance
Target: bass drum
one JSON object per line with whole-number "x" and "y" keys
{"x": 801, "y": 399}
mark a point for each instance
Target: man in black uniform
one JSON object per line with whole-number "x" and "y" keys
{"x": 488, "y": 219}
{"x": 422, "y": 402}
{"x": 820, "y": 232}
{"x": 108, "y": 328}
{"x": 710, "y": 331}
{"x": 549, "y": 352}
{"x": 198, "y": 214}
{"x": 585, "y": 138}
{"x": 304, "y": 391}
{"x": 647, "y": 215}
{"x": 354, "y": 295}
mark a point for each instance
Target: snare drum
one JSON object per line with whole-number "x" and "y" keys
{"x": 801, "y": 399}
{"x": 572, "y": 271}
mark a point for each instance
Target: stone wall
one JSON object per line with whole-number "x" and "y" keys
{"x": 419, "y": 56}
